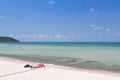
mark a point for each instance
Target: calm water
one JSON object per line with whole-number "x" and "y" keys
{"x": 85, "y": 55}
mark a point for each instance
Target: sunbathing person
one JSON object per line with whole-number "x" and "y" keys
{"x": 38, "y": 65}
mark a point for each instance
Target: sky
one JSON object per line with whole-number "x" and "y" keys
{"x": 61, "y": 20}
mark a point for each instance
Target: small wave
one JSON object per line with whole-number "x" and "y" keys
{"x": 93, "y": 62}
{"x": 72, "y": 60}
{"x": 67, "y": 61}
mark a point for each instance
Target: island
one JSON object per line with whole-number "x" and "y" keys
{"x": 8, "y": 39}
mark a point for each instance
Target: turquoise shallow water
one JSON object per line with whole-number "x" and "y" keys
{"x": 95, "y": 55}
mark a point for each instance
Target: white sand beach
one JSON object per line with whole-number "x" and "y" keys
{"x": 11, "y": 69}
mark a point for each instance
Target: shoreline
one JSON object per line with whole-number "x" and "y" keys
{"x": 57, "y": 66}
{"x": 18, "y": 72}
{"x": 84, "y": 67}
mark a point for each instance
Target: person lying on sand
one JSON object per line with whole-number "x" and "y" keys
{"x": 37, "y": 65}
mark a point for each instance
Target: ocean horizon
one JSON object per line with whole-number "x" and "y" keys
{"x": 90, "y": 55}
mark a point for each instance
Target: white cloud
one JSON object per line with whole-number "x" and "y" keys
{"x": 42, "y": 36}
{"x": 10, "y": 35}
{"x": 2, "y": 17}
{"x": 92, "y": 9}
{"x": 58, "y": 36}
{"x": 33, "y": 36}
{"x": 85, "y": 36}
{"x": 81, "y": 37}
{"x": 96, "y": 28}
{"x": 92, "y": 25}
{"x": 51, "y": 2}
{"x": 54, "y": 37}
{"x": 37, "y": 36}
{"x": 107, "y": 30}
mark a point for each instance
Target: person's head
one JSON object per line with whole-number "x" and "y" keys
{"x": 27, "y": 65}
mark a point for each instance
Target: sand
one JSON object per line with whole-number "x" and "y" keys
{"x": 11, "y": 69}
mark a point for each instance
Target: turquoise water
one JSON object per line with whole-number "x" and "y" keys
{"x": 95, "y": 55}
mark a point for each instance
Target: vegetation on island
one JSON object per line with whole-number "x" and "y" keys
{"x": 8, "y": 39}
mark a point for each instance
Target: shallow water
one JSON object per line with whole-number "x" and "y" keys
{"x": 93, "y": 55}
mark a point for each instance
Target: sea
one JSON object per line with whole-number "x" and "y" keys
{"x": 88, "y": 55}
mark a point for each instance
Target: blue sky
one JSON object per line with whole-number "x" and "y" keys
{"x": 61, "y": 20}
